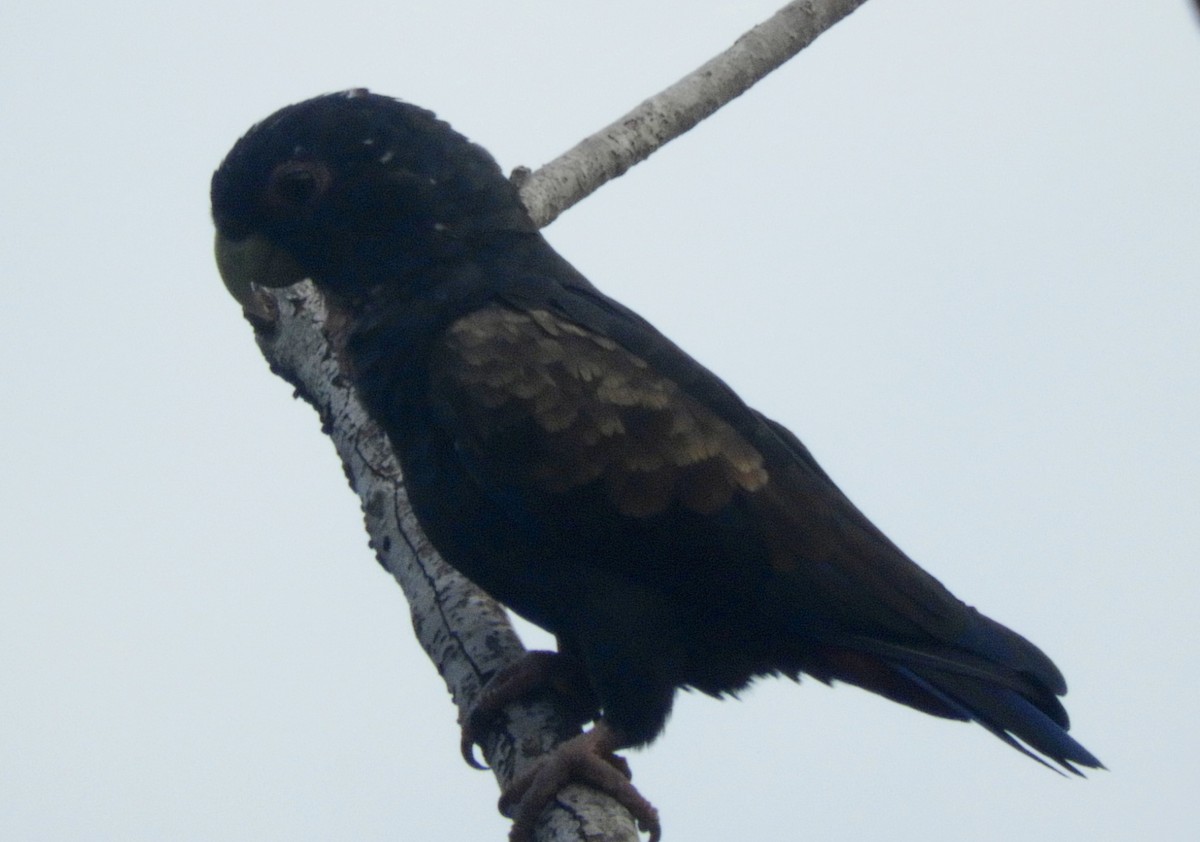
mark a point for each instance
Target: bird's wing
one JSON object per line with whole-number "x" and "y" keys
{"x": 557, "y": 406}
{"x": 579, "y": 392}
{"x": 558, "y": 415}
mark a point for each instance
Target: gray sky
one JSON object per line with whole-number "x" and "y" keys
{"x": 954, "y": 246}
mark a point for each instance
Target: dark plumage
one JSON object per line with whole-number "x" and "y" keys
{"x": 580, "y": 467}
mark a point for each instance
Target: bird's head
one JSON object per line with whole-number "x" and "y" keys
{"x": 354, "y": 190}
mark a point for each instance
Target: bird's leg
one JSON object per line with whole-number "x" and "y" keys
{"x": 536, "y": 672}
{"x": 588, "y": 759}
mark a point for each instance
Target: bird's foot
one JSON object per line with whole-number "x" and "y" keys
{"x": 536, "y": 672}
{"x": 588, "y": 759}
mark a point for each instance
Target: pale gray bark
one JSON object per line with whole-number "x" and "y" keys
{"x": 554, "y": 187}
{"x": 464, "y": 632}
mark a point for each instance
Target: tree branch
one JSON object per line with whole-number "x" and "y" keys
{"x": 581, "y": 170}
{"x": 464, "y": 632}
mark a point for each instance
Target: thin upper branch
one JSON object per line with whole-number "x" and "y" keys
{"x": 578, "y": 172}
{"x": 465, "y": 633}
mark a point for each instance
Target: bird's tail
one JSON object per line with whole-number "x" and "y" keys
{"x": 1010, "y": 687}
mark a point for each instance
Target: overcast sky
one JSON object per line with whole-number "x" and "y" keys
{"x": 954, "y": 246}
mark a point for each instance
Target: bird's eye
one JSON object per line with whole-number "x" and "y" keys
{"x": 296, "y": 184}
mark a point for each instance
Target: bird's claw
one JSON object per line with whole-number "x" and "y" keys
{"x": 467, "y": 742}
{"x": 535, "y": 672}
{"x": 586, "y": 760}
